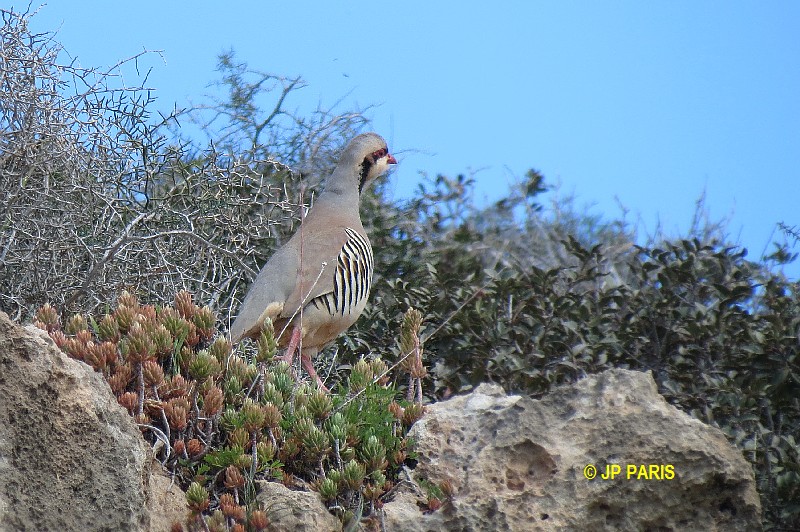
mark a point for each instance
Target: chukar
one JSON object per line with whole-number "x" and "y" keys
{"x": 316, "y": 285}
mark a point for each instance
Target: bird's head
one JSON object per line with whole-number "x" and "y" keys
{"x": 369, "y": 155}
{"x": 364, "y": 159}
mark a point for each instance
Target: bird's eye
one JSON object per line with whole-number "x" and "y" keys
{"x": 380, "y": 153}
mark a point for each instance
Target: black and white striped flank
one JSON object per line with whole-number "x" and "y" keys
{"x": 352, "y": 278}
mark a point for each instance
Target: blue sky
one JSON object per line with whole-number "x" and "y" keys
{"x": 644, "y": 103}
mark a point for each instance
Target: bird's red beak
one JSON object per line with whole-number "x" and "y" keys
{"x": 391, "y": 159}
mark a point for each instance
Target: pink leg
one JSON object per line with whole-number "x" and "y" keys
{"x": 294, "y": 343}
{"x": 305, "y": 358}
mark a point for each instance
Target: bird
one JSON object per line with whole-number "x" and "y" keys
{"x": 317, "y": 284}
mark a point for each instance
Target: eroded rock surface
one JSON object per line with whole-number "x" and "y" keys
{"x": 70, "y": 457}
{"x": 295, "y": 511}
{"x": 518, "y": 464}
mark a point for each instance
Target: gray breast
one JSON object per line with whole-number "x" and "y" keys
{"x": 352, "y": 278}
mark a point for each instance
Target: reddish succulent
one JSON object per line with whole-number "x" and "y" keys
{"x": 396, "y": 410}
{"x": 230, "y": 509}
{"x": 433, "y": 504}
{"x": 94, "y": 357}
{"x": 192, "y": 337}
{"x": 147, "y": 313}
{"x": 129, "y": 400}
{"x": 233, "y": 478}
{"x": 177, "y": 412}
{"x": 412, "y": 414}
{"x": 184, "y": 304}
{"x": 58, "y": 336}
{"x": 47, "y": 318}
{"x": 153, "y": 373}
{"x": 84, "y": 336}
{"x": 177, "y": 386}
{"x": 194, "y": 447}
{"x": 179, "y": 447}
{"x": 213, "y": 401}
{"x": 76, "y": 348}
{"x": 258, "y": 520}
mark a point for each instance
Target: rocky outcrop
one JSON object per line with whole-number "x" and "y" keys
{"x": 522, "y": 464}
{"x": 295, "y": 511}
{"x": 70, "y": 457}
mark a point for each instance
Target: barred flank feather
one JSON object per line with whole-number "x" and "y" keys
{"x": 353, "y": 276}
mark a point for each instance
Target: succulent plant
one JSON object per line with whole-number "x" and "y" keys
{"x": 353, "y": 475}
{"x": 108, "y": 329}
{"x": 177, "y": 412}
{"x": 76, "y": 323}
{"x": 197, "y": 498}
{"x": 213, "y": 401}
{"x": 328, "y": 489}
{"x": 233, "y": 478}
{"x": 184, "y": 305}
{"x": 203, "y": 365}
{"x": 258, "y": 520}
{"x": 47, "y": 318}
{"x": 153, "y": 373}
{"x": 239, "y": 418}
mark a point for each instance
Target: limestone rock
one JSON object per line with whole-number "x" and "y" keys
{"x": 70, "y": 457}
{"x": 518, "y": 464}
{"x": 295, "y": 511}
{"x": 166, "y": 501}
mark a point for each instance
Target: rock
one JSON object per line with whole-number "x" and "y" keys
{"x": 166, "y": 501}
{"x": 295, "y": 511}
{"x": 70, "y": 457}
{"x": 518, "y": 464}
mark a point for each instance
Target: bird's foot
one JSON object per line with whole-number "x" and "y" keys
{"x": 309, "y": 366}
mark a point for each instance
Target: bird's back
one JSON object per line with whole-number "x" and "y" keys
{"x": 271, "y": 287}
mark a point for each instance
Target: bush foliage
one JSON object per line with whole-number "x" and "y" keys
{"x": 520, "y": 293}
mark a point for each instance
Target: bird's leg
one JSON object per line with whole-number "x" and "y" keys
{"x": 294, "y": 342}
{"x": 305, "y": 359}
